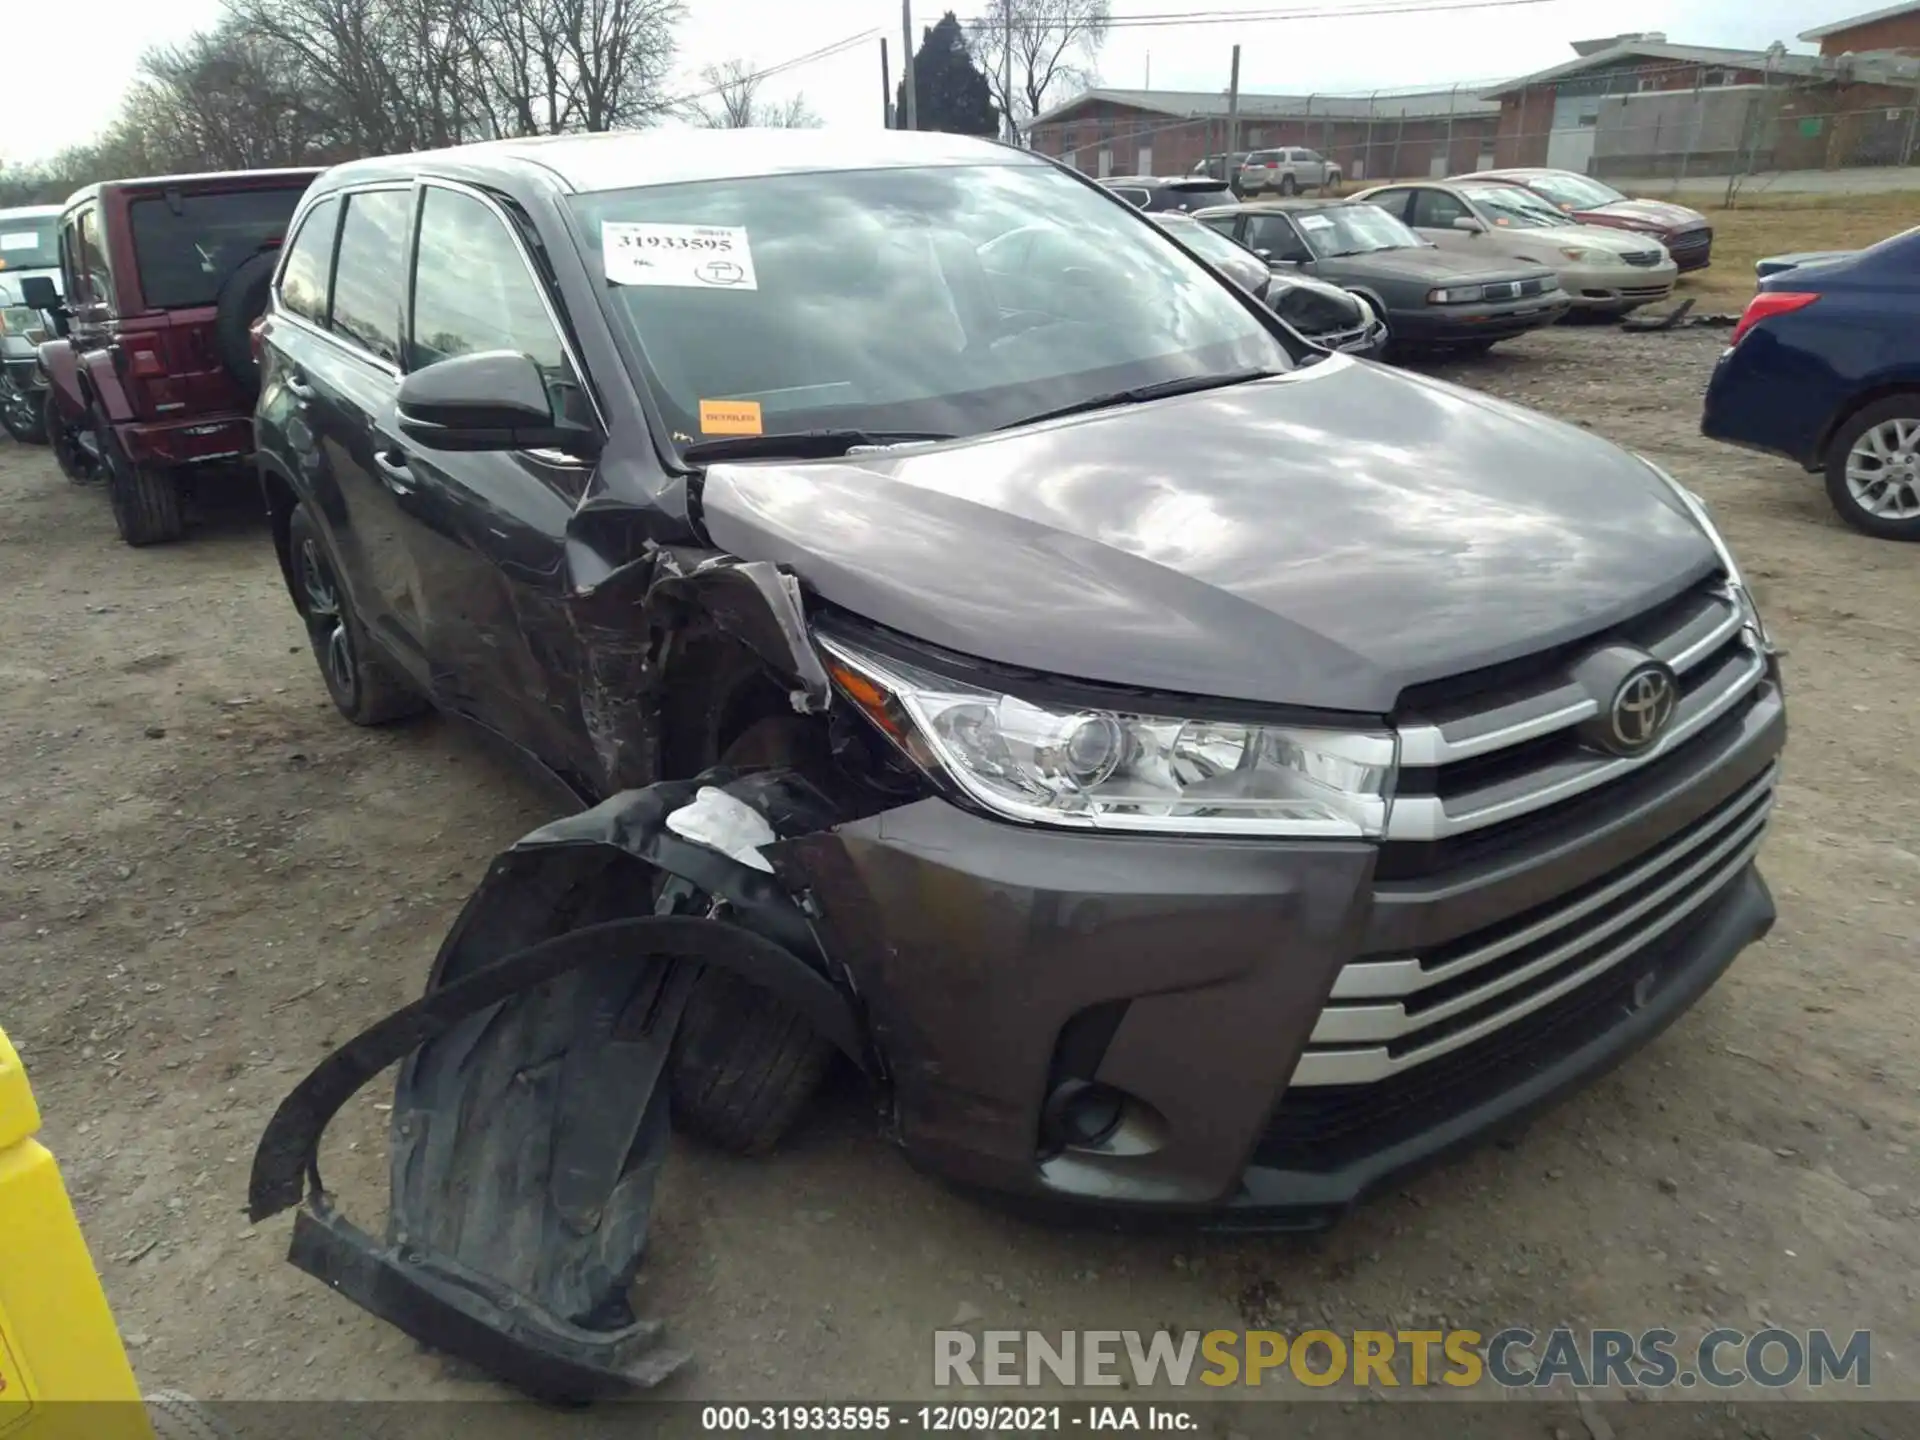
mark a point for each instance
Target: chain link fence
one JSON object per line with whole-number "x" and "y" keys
{"x": 1660, "y": 137}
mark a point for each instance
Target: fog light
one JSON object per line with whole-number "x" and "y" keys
{"x": 1081, "y": 1114}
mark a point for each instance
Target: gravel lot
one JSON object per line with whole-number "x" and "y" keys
{"x": 209, "y": 879}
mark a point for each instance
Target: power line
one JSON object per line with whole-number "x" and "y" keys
{"x": 823, "y": 53}
{"x": 1262, "y": 17}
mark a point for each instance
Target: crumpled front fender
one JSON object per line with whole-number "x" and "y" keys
{"x": 529, "y": 1122}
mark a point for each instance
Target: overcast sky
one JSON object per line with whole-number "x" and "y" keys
{"x": 1295, "y": 56}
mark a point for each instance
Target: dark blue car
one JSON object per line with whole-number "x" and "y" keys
{"x": 1824, "y": 368}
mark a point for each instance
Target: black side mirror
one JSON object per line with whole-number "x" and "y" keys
{"x": 37, "y": 292}
{"x": 495, "y": 400}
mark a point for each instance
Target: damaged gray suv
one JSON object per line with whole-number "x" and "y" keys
{"x": 1185, "y": 772}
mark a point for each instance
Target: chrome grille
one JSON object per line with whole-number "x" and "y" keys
{"x": 1642, "y": 257}
{"x": 1456, "y": 778}
{"x": 1389, "y": 1014}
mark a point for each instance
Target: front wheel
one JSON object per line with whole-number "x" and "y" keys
{"x": 73, "y": 448}
{"x": 1873, "y": 469}
{"x": 362, "y": 685}
{"x": 1288, "y": 185}
{"x": 22, "y": 412}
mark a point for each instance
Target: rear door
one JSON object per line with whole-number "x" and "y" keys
{"x": 489, "y": 532}
{"x": 186, "y": 248}
{"x": 338, "y": 377}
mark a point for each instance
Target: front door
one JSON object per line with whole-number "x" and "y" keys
{"x": 343, "y": 375}
{"x": 488, "y": 529}
{"x": 1432, "y": 214}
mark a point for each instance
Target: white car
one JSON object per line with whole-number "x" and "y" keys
{"x": 1603, "y": 271}
{"x": 1287, "y": 171}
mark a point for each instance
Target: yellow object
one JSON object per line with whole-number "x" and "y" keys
{"x": 63, "y": 1371}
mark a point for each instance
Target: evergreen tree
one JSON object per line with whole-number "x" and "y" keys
{"x": 950, "y": 93}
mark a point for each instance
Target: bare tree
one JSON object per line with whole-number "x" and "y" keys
{"x": 1054, "y": 45}
{"x": 734, "y": 102}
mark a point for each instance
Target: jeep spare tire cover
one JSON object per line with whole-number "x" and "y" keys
{"x": 243, "y": 299}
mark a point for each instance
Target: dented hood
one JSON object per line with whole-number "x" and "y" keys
{"x": 1322, "y": 539}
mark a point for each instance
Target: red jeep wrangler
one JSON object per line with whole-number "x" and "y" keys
{"x": 155, "y": 375}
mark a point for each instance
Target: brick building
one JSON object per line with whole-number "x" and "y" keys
{"x": 1895, "y": 29}
{"x": 1168, "y": 132}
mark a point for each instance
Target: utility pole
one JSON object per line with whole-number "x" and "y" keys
{"x": 886, "y": 87}
{"x": 1006, "y": 67}
{"x": 911, "y": 120}
{"x": 1233, "y": 109}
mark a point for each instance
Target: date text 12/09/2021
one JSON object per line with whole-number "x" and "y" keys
{"x": 941, "y": 1419}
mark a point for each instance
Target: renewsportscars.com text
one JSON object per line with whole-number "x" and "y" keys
{"x": 1513, "y": 1358}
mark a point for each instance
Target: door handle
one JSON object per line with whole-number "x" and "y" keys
{"x": 296, "y": 387}
{"x": 394, "y": 471}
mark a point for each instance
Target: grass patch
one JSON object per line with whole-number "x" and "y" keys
{"x": 1764, "y": 225}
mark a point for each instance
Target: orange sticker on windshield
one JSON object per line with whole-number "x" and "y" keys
{"x": 730, "y": 417}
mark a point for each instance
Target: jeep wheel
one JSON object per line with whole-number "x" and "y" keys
{"x": 1873, "y": 469}
{"x": 1289, "y": 186}
{"x": 362, "y": 685}
{"x": 146, "y": 501}
{"x": 71, "y": 445}
{"x": 22, "y": 413}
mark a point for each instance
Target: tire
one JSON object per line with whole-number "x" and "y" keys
{"x": 75, "y": 462}
{"x": 1888, "y": 435}
{"x": 23, "y": 413}
{"x": 146, "y": 501}
{"x": 361, "y": 683}
{"x": 243, "y": 300}
{"x": 1289, "y": 186}
{"x": 173, "y": 1416}
{"x": 744, "y": 1065}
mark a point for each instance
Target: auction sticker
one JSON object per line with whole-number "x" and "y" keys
{"x": 699, "y": 257}
{"x": 730, "y": 417}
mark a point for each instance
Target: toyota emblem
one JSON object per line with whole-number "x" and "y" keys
{"x": 1641, "y": 708}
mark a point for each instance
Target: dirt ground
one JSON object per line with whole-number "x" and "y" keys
{"x": 208, "y": 879}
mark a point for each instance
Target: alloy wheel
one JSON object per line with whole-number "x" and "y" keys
{"x": 326, "y": 619}
{"x": 1883, "y": 470}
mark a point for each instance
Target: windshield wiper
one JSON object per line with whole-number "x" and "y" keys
{"x": 801, "y": 444}
{"x": 1159, "y": 390}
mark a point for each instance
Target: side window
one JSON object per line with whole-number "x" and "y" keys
{"x": 369, "y": 278}
{"x": 1312, "y": 157}
{"x": 1275, "y": 235}
{"x": 1227, "y": 225}
{"x": 93, "y": 258}
{"x": 1437, "y": 209}
{"x": 472, "y": 291}
{"x": 1136, "y": 198}
{"x": 309, "y": 263}
{"x": 1394, "y": 202}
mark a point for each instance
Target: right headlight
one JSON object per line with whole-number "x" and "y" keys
{"x": 1697, "y": 508}
{"x": 1114, "y": 770}
{"x": 1457, "y": 294}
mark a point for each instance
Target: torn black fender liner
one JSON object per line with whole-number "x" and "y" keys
{"x": 529, "y": 1124}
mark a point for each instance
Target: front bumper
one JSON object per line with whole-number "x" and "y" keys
{"x": 1003, "y": 967}
{"x": 1463, "y": 324}
{"x": 1618, "y": 287}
